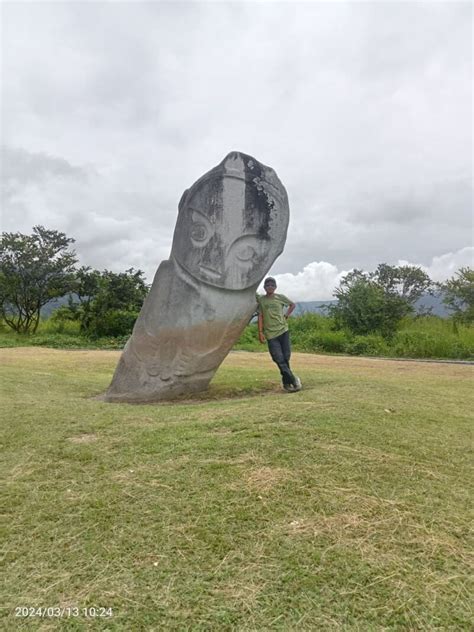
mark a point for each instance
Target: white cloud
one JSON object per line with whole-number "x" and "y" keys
{"x": 318, "y": 280}
{"x": 444, "y": 266}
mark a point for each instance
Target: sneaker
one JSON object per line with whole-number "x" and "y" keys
{"x": 298, "y": 386}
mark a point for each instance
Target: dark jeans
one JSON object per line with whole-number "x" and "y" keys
{"x": 280, "y": 350}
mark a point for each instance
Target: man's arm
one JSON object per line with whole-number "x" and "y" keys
{"x": 261, "y": 337}
{"x": 290, "y": 310}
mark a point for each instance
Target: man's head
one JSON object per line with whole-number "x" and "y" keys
{"x": 269, "y": 285}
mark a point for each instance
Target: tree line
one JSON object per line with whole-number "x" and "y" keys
{"x": 37, "y": 268}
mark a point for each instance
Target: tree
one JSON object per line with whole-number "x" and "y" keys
{"x": 458, "y": 294}
{"x": 123, "y": 290}
{"x": 33, "y": 270}
{"x": 407, "y": 282}
{"x": 86, "y": 289}
{"x": 377, "y": 301}
{"x": 109, "y": 301}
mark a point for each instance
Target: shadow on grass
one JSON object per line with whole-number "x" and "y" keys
{"x": 215, "y": 393}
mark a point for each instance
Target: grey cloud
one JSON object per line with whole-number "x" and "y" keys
{"x": 21, "y": 171}
{"x": 438, "y": 201}
{"x": 363, "y": 109}
{"x": 23, "y": 167}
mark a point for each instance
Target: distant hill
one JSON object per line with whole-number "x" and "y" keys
{"x": 426, "y": 302}
{"x": 318, "y": 307}
{"x": 438, "y": 308}
{"x": 47, "y": 309}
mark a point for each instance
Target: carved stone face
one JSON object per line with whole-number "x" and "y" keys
{"x": 232, "y": 224}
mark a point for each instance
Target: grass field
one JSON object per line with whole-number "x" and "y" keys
{"x": 343, "y": 507}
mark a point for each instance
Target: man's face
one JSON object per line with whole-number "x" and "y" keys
{"x": 269, "y": 288}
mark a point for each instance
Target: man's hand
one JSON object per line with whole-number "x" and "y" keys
{"x": 261, "y": 337}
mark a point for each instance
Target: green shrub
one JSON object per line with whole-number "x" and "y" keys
{"x": 58, "y": 341}
{"x": 306, "y": 331}
{"x": 65, "y": 312}
{"x": 248, "y": 340}
{"x": 420, "y": 344}
{"x": 118, "y": 342}
{"x": 55, "y": 325}
{"x": 330, "y": 341}
{"x": 308, "y": 323}
{"x": 61, "y": 341}
{"x": 365, "y": 307}
{"x": 372, "y": 344}
{"x": 114, "y": 323}
{"x": 410, "y": 344}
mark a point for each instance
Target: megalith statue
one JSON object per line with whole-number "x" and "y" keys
{"x": 231, "y": 226}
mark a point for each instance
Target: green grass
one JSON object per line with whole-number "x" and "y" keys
{"x": 424, "y": 337}
{"x": 343, "y": 507}
{"x": 56, "y": 336}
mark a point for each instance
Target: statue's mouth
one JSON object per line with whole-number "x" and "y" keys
{"x": 214, "y": 274}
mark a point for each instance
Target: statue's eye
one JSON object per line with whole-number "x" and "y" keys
{"x": 245, "y": 253}
{"x": 245, "y": 249}
{"x": 199, "y": 232}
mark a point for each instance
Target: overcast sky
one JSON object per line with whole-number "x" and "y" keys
{"x": 110, "y": 110}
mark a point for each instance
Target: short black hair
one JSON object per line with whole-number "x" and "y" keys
{"x": 269, "y": 280}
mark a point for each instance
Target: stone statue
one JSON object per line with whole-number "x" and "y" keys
{"x": 231, "y": 226}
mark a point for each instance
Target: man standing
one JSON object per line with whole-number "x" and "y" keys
{"x": 273, "y": 326}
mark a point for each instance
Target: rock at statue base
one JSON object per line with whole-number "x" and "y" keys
{"x": 231, "y": 226}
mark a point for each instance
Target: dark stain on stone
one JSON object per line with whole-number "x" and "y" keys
{"x": 213, "y": 253}
{"x": 213, "y": 204}
{"x": 258, "y": 208}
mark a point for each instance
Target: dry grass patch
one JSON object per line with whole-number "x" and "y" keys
{"x": 263, "y": 479}
{"x": 342, "y": 527}
{"x": 366, "y": 453}
{"x": 338, "y": 524}
{"x": 241, "y": 459}
{"x": 222, "y": 431}
{"x": 382, "y": 531}
{"x": 247, "y": 580}
{"x": 20, "y": 471}
{"x": 83, "y": 438}
{"x": 243, "y": 593}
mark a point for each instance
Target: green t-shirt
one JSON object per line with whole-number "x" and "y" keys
{"x": 274, "y": 322}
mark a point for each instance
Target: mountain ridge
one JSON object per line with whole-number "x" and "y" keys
{"x": 427, "y": 301}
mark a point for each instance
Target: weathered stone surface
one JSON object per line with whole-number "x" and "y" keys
{"x": 231, "y": 226}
